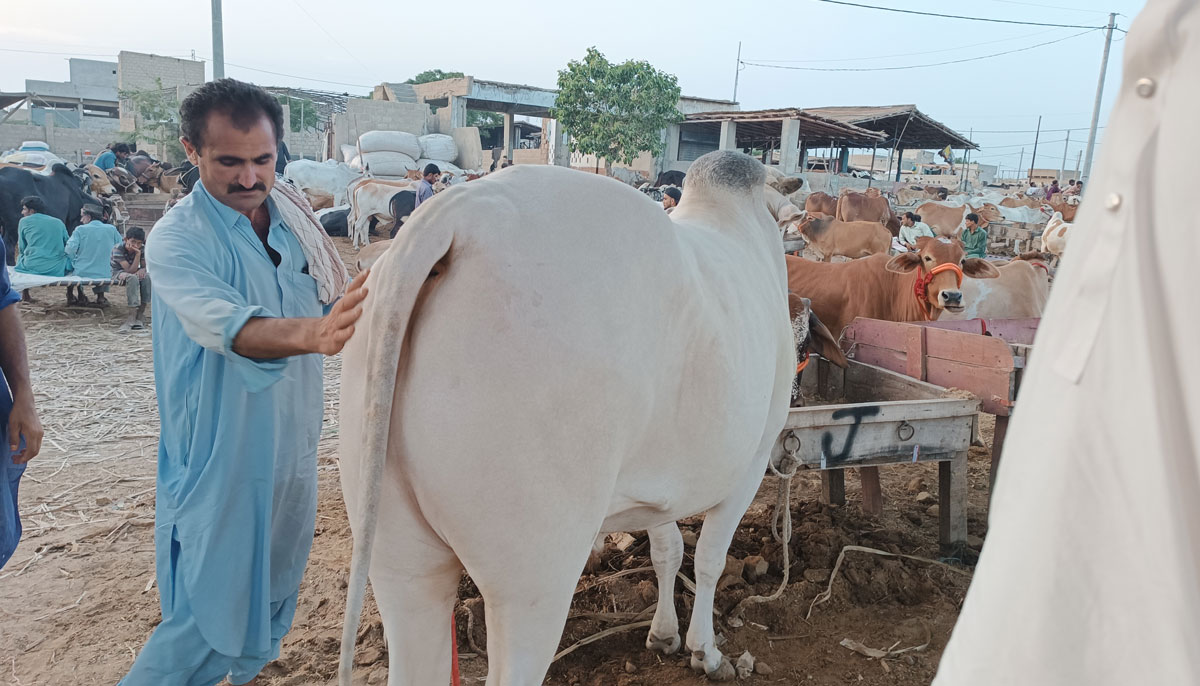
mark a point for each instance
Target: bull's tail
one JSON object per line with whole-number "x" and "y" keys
{"x": 398, "y": 278}
{"x": 838, "y": 212}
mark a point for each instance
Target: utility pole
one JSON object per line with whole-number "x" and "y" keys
{"x": 218, "y": 42}
{"x": 737, "y": 68}
{"x": 1087, "y": 163}
{"x": 1033, "y": 158}
{"x": 1062, "y": 171}
{"x": 1020, "y": 162}
{"x": 1078, "y": 156}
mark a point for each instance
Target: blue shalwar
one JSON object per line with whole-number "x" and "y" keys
{"x": 10, "y": 474}
{"x": 237, "y": 457}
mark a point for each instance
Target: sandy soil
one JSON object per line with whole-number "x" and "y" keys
{"x": 77, "y": 599}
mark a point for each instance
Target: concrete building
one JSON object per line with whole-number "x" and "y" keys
{"x": 77, "y": 117}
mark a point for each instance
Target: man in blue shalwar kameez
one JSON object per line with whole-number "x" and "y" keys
{"x": 240, "y": 327}
{"x": 20, "y": 430}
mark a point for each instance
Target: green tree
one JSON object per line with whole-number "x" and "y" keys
{"x": 157, "y": 120}
{"x": 484, "y": 120}
{"x": 303, "y": 112}
{"x": 615, "y": 111}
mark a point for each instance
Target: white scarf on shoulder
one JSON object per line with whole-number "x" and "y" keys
{"x": 324, "y": 263}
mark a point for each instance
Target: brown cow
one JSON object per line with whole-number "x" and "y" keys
{"x": 869, "y": 206}
{"x": 1067, "y": 210}
{"x": 1020, "y": 292}
{"x": 887, "y": 288}
{"x": 1020, "y": 201}
{"x": 950, "y": 221}
{"x": 821, "y": 202}
{"x": 833, "y": 236}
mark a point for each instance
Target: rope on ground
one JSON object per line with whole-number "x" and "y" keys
{"x": 781, "y": 522}
{"x": 596, "y": 637}
{"x": 828, "y": 592}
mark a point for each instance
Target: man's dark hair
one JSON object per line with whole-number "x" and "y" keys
{"x": 913, "y": 216}
{"x": 1072, "y": 182}
{"x": 244, "y": 103}
{"x": 673, "y": 193}
{"x": 973, "y": 217}
{"x": 34, "y": 203}
{"x": 431, "y": 169}
{"x": 136, "y": 233}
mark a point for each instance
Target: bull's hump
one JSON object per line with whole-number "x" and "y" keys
{"x": 725, "y": 170}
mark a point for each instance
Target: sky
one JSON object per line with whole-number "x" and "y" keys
{"x": 352, "y": 45}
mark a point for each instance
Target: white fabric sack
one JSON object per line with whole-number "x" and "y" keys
{"x": 442, "y": 166}
{"x": 349, "y": 152}
{"x": 390, "y": 141}
{"x": 439, "y": 146}
{"x": 385, "y": 163}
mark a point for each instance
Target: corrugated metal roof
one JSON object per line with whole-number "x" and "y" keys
{"x": 813, "y": 127}
{"x": 902, "y": 125}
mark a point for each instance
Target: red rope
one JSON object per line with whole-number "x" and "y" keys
{"x": 454, "y": 680}
{"x": 921, "y": 285}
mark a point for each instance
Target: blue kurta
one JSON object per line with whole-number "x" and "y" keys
{"x": 41, "y": 245}
{"x": 90, "y": 249}
{"x": 237, "y": 472}
{"x": 106, "y": 160}
{"x": 10, "y": 474}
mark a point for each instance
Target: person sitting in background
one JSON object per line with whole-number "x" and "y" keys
{"x": 116, "y": 154}
{"x": 974, "y": 238}
{"x": 128, "y": 264}
{"x": 912, "y": 228}
{"x": 1072, "y": 188}
{"x": 90, "y": 251}
{"x": 41, "y": 241}
{"x": 1053, "y": 189}
{"x": 671, "y": 198}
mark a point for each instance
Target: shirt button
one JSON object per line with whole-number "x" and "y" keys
{"x": 1113, "y": 201}
{"x": 1145, "y": 87}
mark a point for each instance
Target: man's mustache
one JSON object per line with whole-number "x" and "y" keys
{"x": 239, "y": 188}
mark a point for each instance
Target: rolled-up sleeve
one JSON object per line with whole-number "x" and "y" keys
{"x": 7, "y": 295}
{"x": 210, "y": 311}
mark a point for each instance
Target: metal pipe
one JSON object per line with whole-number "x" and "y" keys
{"x": 1091, "y": 144}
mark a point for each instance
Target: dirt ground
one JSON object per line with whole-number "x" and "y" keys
{"x": 77, "y": 599}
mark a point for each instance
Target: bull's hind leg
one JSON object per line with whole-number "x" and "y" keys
{"x": 666, "y": 552}
{"x": 527, "y": 593}
{"x": 719, "y": 526}
{"x": 414, "y": 577}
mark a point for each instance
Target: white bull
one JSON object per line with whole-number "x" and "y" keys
{"x": 527, "y": 375}
{"x": 326, "y": 178}
{"x": 371, "y": 199}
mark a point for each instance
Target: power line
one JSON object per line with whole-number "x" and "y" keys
{"x": 294, "y": 76}
{"x": 1050, "y": 7}
{"x": 65, "y": 54}
{"x": 958, "y": 16}
{"x": 917, "y": 66}
{"x": 910, "y": 54}
{"x": 1076, "y": 128}
{"x": 331, "y": 36}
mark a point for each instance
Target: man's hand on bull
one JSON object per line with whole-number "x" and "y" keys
{"x": 23, "y": 423}
{"x": 337, "y": 327}
{"x": 267, "y": 338}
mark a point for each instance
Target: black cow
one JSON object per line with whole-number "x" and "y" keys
{"x": 670, "y": 178}
{"x": 334, "y": 222}
{"x": 60, "y": 190}
{"x": 402, "y": 205}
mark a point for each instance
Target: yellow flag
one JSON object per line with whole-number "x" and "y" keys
{"x": 947, "y": 153}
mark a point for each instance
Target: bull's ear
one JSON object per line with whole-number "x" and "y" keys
{"x": 824, "y": 343}
{"x": 904, "y": 262}
{"x": 977, "y": 268}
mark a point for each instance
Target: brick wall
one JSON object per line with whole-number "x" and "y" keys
{"x": 364, "y": 115}
{"x": 139, "y": 71}
{"x": 69, "y": 144}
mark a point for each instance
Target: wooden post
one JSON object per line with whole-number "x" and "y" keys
{"x": 833, "y": 487}
{"x": 997, "y": 448}
{"x": 952, "y": 501}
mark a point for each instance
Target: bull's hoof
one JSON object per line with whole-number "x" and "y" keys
{"x": 724, "y": 671}
{"x": 667, "y": 646}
